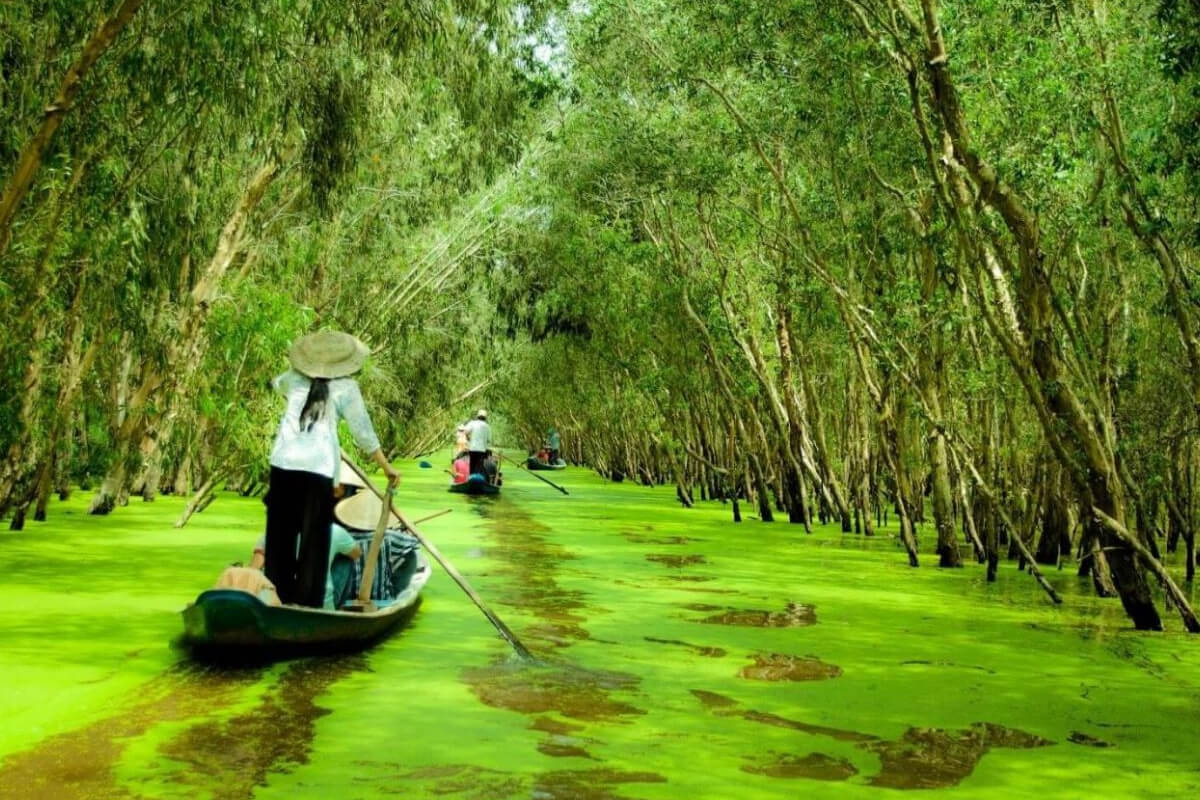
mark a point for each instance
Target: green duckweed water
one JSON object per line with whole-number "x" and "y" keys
{"x": 681, "y": 657}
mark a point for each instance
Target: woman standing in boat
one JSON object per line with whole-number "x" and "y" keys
{"x": 306, "y": 458}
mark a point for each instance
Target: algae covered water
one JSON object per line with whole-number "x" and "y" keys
{"x": 680, "y": 655}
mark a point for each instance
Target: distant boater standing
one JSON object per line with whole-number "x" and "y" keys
{"x": 479, "y": 439}
{"x": 306, "y": 458}
{"x": 554, "y": 442}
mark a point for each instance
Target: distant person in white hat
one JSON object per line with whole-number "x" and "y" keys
{"x": 460, "y": 441}
{"x": 306, "y": 459}
{"x": 479, "y": 439}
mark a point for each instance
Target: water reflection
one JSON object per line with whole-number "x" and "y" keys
{"x": 922, "y": 758}
{"x": 81, "y": 763}
{"x": 237, "y": 754}
{"x": 531, "y": 562}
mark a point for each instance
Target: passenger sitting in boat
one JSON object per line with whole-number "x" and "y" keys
{"x": 462, "y": 469}
{"x": 543, "y": 454}
{"x": 397, "y": 553}
{"x": 249, "y": 580}
{"x": 343, "y": 552}
{"x": 460, "y": 442}
{"x": 490, "y": 470}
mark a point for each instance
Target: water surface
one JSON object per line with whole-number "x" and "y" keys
{"x": 680, "y": 655}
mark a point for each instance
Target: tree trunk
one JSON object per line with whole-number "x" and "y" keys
{"x": 1031, "y": 344}
{"x": 201, "y": 498}
{"x": 1055, "y": 540}
{"x": 32, "y": 155}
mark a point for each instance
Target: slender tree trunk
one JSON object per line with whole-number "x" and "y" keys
{"x": 34, "y": 152}
{"x": 1065, "y": 422}
{"x": 201, "y": 498}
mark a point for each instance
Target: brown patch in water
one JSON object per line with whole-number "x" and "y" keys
{"x": 923, "y": 758}
{"x": 794, "y": 615}
{"x": 558, "y": 749}
{"x": 932, "y": 758}
{"x": 562, "y": 633}
{"x": 701, "y": 650}
{"x": 638, "y": 538}
{"x": 923, "y": 662}
{"x": 676, "y": 561}
{"x": 814, "y": 766}
{"x": 712, "y": 700}
{"x": 589, "y": 784}
{"x": 554, "y": 726}
{"x": 531, "y": 562}
{"x": 815, "y": 730}
{"x": 81, "y": 763}
{"x": 779, "y": 667}
{"x": 237, "y": 754}
{"x": 437, "y": 770}
{"x": 1079, "y": 737}
{"x": 466, "y": 781}
{"x": 572, "y": 692}
{"x": 694, "y": 579}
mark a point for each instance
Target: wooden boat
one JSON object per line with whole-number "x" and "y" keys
{"x": 231, "y": 623}
{"x": 475, "y": 484}
{"x": 535, "y": 463}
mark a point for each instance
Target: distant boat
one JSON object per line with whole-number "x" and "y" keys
{"x": 232, "y": 623}
{"x": 533, "y": 462}
{"x": 475, "y": 484}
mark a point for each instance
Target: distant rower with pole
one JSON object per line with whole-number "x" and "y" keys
{"x": 479, "y": 439}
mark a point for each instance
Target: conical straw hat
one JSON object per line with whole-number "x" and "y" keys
{"x": 348, "y": 476}
{"x": 361, "y": 512}
{"x": 327, "y": 354}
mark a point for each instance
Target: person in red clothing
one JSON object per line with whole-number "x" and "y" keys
{"x": 462, "y": 469}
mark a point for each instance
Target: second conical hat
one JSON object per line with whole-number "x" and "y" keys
{"x": 361, "y": 512}
{"x": 348, "y": 477}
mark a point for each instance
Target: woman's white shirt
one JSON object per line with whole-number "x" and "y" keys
{"x": 317, "y": 449}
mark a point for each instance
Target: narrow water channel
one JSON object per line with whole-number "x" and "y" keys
{"x": 679, "y": 656}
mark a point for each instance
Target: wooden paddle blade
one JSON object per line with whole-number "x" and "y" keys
{"x": 368, "y": 577}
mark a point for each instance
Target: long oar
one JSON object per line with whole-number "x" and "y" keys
{"x": 435, "y": 515}
{"x": 534, "y": 474}
{"x": 363, "y": 601}
{"x": 503, "y": 629}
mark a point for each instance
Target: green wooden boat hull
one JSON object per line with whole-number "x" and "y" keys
{"x": 537, "y": 464}
{"x": 228, "y": 623}
{"x": 474, "y": 485}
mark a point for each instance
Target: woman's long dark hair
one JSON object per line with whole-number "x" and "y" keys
{"x": 314, "y": 404}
